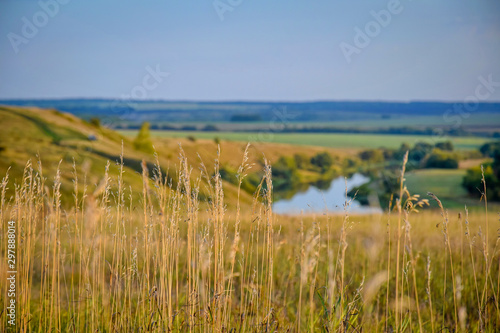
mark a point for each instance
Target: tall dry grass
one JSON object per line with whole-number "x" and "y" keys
{"x": 173, "y": 262}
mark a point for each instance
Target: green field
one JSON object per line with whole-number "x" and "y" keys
{"x": 479, "y": 120}
{"x": 332, "y": 140}
{"x": 444, "y": 183}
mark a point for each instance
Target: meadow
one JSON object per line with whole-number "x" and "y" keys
{"x": 112, "y": 239}
{"x": 445, "y": 182}
{"x": 169, "y": 261}
{"x": 330, "y": 140}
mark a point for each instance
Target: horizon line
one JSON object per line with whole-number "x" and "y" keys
{"x": 277, "y": 101}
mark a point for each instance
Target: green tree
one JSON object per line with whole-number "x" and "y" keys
{"x": 302, "y": 161}
{"x": 284, "y": 173}
{"x": 446, "y": 145}
{"x": 442, "y": 160}
{"x": 323, "y": 161}
{"x": 95, "y": 121}
{"x": 489, "y": 148}
{"x": 473, "y": 177}
{"x": 420, "y": 151}
{"x": 143, "y": 140}
{"x": 372, "y": 155}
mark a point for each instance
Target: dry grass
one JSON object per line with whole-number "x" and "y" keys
{"x": 163, "y": 260}
{"x": 232, "y": 150}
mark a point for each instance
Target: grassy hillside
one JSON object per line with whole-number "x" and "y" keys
{"x": 59, "y": 139}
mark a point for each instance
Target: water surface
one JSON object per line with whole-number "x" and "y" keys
{"x": 315, "y": 200}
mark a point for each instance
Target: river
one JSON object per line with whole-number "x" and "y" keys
{"x": 333, "y": 199}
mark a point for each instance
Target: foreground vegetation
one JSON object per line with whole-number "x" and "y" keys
{"x": 164, "y": 260}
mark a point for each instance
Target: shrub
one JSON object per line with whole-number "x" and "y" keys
{"x": 441, "y": 160}
{"x": 302, "y": 161}
{"x": 472, "y": 180}
{"x": 143, "y": 140}
{"x": 388, "y": 154}
{"x": 372, "y": 155}
{"x": 284, "y": 172}
{"x": 420, "y": 151}
{"x": 361, "y": 194}
{"x": 323, "y": 161}
{"x": 447, "y": 145}
{"x": 489, "y": 148}
{"x": 95, "y": 121}
{"x": 350, "y": 163}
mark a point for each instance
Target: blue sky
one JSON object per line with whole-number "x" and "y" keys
{"x": 271, "y": 50}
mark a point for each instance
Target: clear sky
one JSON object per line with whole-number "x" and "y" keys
{"x": 271, "y": 50}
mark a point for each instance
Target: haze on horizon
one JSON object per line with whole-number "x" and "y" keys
{"x": 249, "y": 50}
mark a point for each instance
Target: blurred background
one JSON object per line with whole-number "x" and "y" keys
{"x": 361, "y": 82}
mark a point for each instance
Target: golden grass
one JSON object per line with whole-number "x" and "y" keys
{"x": 163, "y": 260}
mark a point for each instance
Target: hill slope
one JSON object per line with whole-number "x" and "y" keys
{"x": 57, "y": 139}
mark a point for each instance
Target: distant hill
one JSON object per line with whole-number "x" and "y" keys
{"x": 189, "y": 111}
